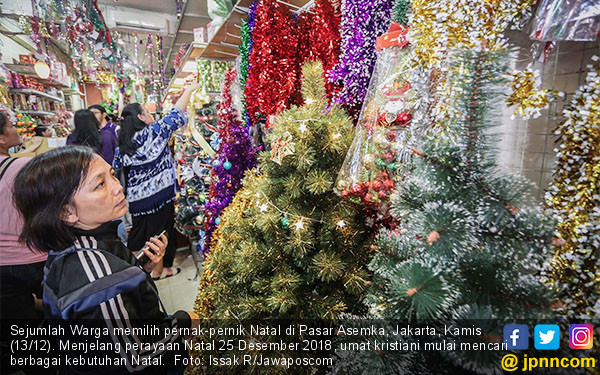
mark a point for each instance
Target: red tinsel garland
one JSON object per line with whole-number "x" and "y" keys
{"x": 273, "y": 79}
{"x": 325, "y": 39}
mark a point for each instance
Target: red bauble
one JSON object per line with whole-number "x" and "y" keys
{"x": 345, "y": 194}
{"x": 368, "y": 198}
{"x": 376, "y": 185}
{"x": 382, "y": 195}
{"x": 181, "y": 161}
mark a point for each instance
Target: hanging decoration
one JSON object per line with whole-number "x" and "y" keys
{"x": 273, "y": 76}
{"x": 574, "y": 196}
{"x": 362, "y": 22}
{"x": 235, "y": 156}
{"x": 325, "y": 40}
{"x": 245, "y": 51}
{"x": 527, "y": 95}
{"x": 379, "y": 155}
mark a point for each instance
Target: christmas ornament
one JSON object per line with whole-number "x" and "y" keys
{"x": 227, "y": 165}
{"x": 285, "y": 223}
{"x": 384, "y": 135}
{"x": 281, "y": 146}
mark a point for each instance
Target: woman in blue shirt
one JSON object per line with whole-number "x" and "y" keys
{"x": 144, "y": 155}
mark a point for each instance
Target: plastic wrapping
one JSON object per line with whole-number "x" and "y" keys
{"x": 567, "y": 20}
{"x": 384, "y": 134}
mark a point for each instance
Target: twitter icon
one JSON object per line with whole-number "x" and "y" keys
{"x": 546, "y": 337}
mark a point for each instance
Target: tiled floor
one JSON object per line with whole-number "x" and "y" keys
{"x": 179, "y": 292}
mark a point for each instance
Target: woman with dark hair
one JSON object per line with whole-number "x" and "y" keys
{"x": 21, "y": 268}
{"x": 107, "y": 133}
{"x": 70, "y": 199}
{"x": 87, "y": 130}
{"x": 144, "y": 155}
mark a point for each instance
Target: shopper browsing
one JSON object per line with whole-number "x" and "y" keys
{"x": 107, "y": 133}
{"x": 21, "y": 269}
{"x": 86, "y": 131}
{"x": 144, "y": 155}
{"x": 69, "y": 199}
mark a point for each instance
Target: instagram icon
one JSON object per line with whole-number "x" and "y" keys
{"x": 580, "y": 336}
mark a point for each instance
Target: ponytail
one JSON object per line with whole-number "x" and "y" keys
{"x": 130, "y": 124}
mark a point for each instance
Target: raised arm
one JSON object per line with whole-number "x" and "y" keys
{"x": 185, "y": 97}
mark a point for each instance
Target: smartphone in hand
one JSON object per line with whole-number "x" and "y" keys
{"x": 141, "y": 257}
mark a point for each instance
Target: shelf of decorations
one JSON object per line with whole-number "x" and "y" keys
{"x": 28, "y": 71}
{"x": 37, "y": 93}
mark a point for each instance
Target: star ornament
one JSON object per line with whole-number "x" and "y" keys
{"x": 299, "y": 224}
{"x": 263, "y": 207}
{"x": 302, "y": 127}
{"x": 340, "y": 224}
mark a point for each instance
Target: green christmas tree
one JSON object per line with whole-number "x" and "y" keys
{"x": 471, "y": 244}
{"x": 288, "y": 247}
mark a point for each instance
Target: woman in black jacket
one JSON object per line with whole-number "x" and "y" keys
{"x": 70, "y": 200}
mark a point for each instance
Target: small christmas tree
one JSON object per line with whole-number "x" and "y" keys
{"x": 289, "y": 247}
{"x": 574, "y": 197}
{"x": 194, "y": 172}
{"x": 470, "y": 242}
{"x": 235, "y": 156}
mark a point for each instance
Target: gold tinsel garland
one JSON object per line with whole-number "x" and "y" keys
{"x": 527, "y": 95}
{"x": 574, "y": 197}
{"x": 438, "y": 27}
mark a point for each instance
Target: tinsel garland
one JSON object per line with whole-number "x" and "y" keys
{"x": 273, "y": 75}
{"x": 235, "y": 156}
{"x": 574, "y": 197}
{"x": 325, "y": 40}
{"x": 362, "y": 22}
{"x": 245, "y": 50}
{"x": 439, "y": 26}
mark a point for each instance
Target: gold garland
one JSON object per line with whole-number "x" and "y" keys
{"x": 574, "y": 197}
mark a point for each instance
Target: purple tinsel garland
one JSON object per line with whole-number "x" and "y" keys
{"x": 235, "y": 148}
{"x": 362, "y": 22}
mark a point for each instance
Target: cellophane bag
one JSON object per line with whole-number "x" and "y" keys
{"x": 378, "y": 155}
{"x": 576, "y": 20}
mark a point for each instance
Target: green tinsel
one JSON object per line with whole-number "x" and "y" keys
{"x": 244, "y": 59}
{"x": 401, "y": 11}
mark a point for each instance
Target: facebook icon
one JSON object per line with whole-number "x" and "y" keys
{"x": 516, "y": 336}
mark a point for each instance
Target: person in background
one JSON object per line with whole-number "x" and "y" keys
{"x": 146, "y": 160}
{"x": 21, "y": 269}
{"x": 86, "y": 131}
{"x": 72, "y": 216}
{"x": 42, "y": 131}
{"x": 107, "y": 133}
